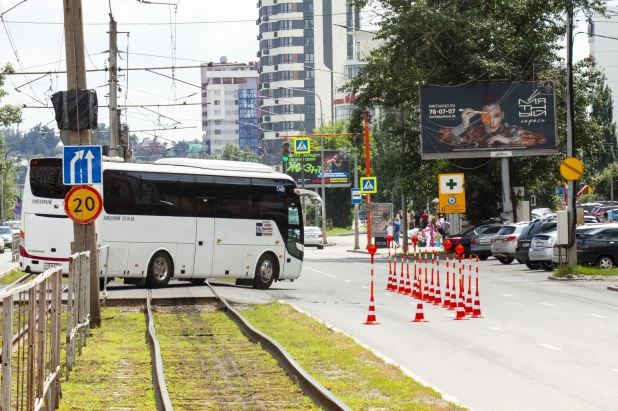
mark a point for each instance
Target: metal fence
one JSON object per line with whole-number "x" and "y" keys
{"x": 32, "y": 335}
{"x": 103, "y": 258}
{"x": 15, "y": 248}
{"x": 78, "y": 307}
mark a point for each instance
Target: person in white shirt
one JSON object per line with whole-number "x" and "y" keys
{"x": 389, "y": 229}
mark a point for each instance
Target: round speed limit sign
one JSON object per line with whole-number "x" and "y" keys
{"x": 83, "y": 204}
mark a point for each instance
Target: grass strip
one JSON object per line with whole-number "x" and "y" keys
{"x": 210, "y": 365}
{"x": 343, "y": 231}
{"x": 564, "y": 270}
{"x": 113, "y": 372}
{"x": 11, "y": 277}
{"x": 355, "y": 375}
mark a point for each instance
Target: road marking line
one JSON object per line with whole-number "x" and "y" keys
{"x": 412, "y": 302}
{"x": 329, "y": 275}
{"x": 548, "y": 305}
{"x": 507, "y": 295}
{"x": 319, "y": 272}
{"x": 551, "y": 347}
{"x": 388, "y": 294}
{"x": 597, "y": 315}
{"x": 347, "y": 281}
{"x": 365, "y": 287}
{"x": 495, "y": 328}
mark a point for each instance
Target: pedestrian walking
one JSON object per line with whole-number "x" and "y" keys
{"x": 409, "y": 221}
{"x": 389, "y": 229}
{"x": 445, "y": 227}
{"x": 417, "y": 219}
{"x": 396, "y": 230}
{"x": 606, "y": 218}
{"x": 424, "y": 220}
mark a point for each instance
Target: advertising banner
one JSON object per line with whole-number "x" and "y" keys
{"x": 488, "y": 120}
{"x": 381, "y": 214}
{"x": 336, "y": 166}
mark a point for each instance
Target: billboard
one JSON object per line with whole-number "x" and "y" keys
{"x": 381, "y": 215}
{"x": 336, "y": 165}
{"x": 488, "y": 120}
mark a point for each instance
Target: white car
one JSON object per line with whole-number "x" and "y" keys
{"x": 541, "y": 211}
{"x": 7, "y": 238}
{"x": 314, "y": 237}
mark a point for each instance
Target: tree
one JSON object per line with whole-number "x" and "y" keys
{"x": 181, "y": 146}
{"x": 451, "y": 43}
{"x": 9, "y": 114}
{"x": 602, "y": 112}
{"x": 234, "y": 153}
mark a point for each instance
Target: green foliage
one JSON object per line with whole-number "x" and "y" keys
{"x": 431, "y": 42}
{"x": 182, "y": 146}
{"x": 602, "y": 112}
{"x": 9, "y": 114}
{"x": 602, "y": 182}
{"x": 234, "y": 153}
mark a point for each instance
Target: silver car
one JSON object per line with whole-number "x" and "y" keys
{"x": 504, "y": 244}
{"x": 542, "y": 249}
{"x": 313, "y": 237}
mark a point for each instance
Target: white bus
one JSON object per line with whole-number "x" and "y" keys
{"x": 188, "y": 219}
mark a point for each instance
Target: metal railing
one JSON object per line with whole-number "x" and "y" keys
{"x": 31, "y": 343}
{"x": 15, "y": 248}
{"x": 103, "y": 258}
{"x": 78, "y": 307}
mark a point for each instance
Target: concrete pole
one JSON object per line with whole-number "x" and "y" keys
{"x": 114, "y": 139}
{"x": 324, "y": 241}
{"x": 84, "y": 235}
{"x": 507, "y": 207}
{"x": 404, "y": 208}
{"x": 572, "y": 187}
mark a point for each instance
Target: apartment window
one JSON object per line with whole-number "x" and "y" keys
{"x": 287, "y": 58}
{"x": 309, "y": 74}
{"x": 285, "y": 25}
{"x": 218, "y": 142}
{"x": 235, "y": 102}
{"x": 217, "y": 112}
{"x": 217, "y": 122}
{"x": 285, "y": 8}
{"x": 235, "y": 93}
{"x": 309, "y": 6}
{"x": 285, "y": 42}
{"x": 309, "y": 24}
{"x": 215, "y": 81}
{"x": 204, "y": 114}
{"x": 268, "y": 61}
{"x": 309, "y": 40}
{"x": 287, "y": 75}
{"x": 217, "y": 132}
{"x": 289, "y": 125}
{"x": 267, "y": 77}
{"x": 286, "y": 92}
{"x": 287, "y": 109}
{"x": 309, "y": 108}
{"x": 204, "y": 95}
{"x": 236, "y": 131}
{"x": 218, "y": 152}
{"x": 270, "y": 43}
{"x": 217, "y": 102}
{"x": 204, "y": 85}
{"x": 268, "y": 11}
{"x": 270, "y": 27}
{"x": 310, "y": 90}
{"x": 204, "y": 123}
{"x": 309, "y": 58}
{"x": 216, "y": 92}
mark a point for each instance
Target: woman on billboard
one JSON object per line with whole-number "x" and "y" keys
{"x": 493, "y": 132}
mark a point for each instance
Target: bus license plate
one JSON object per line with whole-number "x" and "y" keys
{"x": 47, "y": 266}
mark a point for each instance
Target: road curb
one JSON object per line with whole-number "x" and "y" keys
{"x": 580, "y": 279}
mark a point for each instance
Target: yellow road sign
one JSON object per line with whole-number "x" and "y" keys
{"x": 83, "y": 204}
{"x": 369, "y": 185}
{"x": 571, "y": 168}
{"x": 302, "y": 145}
{"x": 451, "y": 193}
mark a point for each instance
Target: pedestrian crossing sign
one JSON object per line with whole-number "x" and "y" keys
{"x": 302, "y": 146}
{"x": 369, "y": 185}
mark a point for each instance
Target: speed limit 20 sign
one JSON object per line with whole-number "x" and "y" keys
{"x": 83, "y": 204}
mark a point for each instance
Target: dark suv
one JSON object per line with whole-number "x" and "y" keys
{"x": 464, "y": 237}
{"x": 524, "y": 240}
{"x": 598, "y": 246}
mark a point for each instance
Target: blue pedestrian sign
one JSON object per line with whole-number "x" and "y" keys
{"x": 302, "y": 146}
{"x": 357, "y": 197}
{"x": 82, "y": 165}
{"x": 369, "y": 185}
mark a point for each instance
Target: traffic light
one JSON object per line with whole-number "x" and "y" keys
{"x": 285, "y": 151}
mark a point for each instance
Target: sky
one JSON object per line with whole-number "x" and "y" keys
{"x": 36, "y": 29}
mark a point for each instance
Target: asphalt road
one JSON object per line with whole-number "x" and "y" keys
{"x": 543, "y": 345}
{"x": 5, "y": 262}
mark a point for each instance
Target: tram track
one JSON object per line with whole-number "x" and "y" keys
{"x": 201, "y": 348}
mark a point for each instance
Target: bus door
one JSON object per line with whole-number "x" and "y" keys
{"x": 233, "y": 226}
{"x": 205, "y": 230}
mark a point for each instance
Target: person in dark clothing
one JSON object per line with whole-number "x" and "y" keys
{"x": 424, "y": 220}
{"x": 417, "y": 220}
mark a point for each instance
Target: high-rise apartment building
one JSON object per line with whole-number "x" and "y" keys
{"x": 300, "y": 44}
{"x": 229, "y": 105}
{"x": 604, "y": 51}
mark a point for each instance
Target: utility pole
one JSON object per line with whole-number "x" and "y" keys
{"x": 572, "y": 186}
{"x": 84, "y": 235}
{"x": 356, "y": 227}
{"x": 404, "y": 208}
{"x": 113, "y": 89}
{"x": 368, "y": 174}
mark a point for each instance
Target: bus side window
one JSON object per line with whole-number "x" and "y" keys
{"x": 233, "y": 198}
{"x": 205, "y": 196}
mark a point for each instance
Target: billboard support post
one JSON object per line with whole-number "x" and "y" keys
{"x": 507, "y": 205}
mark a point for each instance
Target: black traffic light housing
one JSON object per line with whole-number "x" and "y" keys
{"x": 285, "y": 151}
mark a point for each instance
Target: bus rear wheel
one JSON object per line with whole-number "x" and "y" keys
{"x": 265, "y": 272}
{"x": 160, "y": 270}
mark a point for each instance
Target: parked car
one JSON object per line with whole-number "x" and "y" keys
{"x": 313, "y": 237}
{"x": 504, "y": 243}
{"x": 588, "y": 219}
{"x": 541, "y": 250}
{"x": 15, "y": 225}
{"x": 464, "y": 237}
{"x": 559, "y": 255}
{"x": 525, "y": 239}
{"x": 481, "y": 243}
{"x": 589, "y": 206}
{"x": 598, "y": 246}
{"x": 541, "y": 211}
{"x": 7, "y": 238}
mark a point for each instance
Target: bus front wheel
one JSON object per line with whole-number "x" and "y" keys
{"x": 265, "y": 272}
{"x": 160, "y": 270}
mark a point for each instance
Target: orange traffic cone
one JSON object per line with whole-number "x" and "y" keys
{"x": 389, "y": 284}
{"x": 426, "y": 289}
{"x": 394, "y": 282}
{"x": 438, "y": 297}
{"x": 461, "y": 315}
{"x": 408, "y": 289}
{"x": 476, "y": 312}
{"x": 415, "y": 290}
{"x": 453, "y": 305}
{"x": 469, "y": 298}
{"x": 420, "y": 317}
{"x": 371, "y": 316}
{"x": 447, "y": 294}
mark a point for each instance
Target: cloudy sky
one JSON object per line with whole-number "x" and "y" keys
{"x": 221, "y": 29}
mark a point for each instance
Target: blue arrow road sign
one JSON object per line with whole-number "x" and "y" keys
{"x": 357, "y": 197}
{"x": 82, "y": 165}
